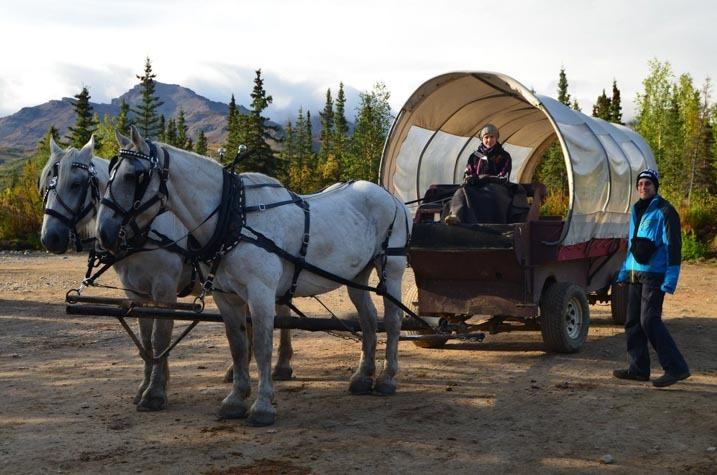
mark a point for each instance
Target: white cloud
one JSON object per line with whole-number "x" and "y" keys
{"x": 50, "y": 49}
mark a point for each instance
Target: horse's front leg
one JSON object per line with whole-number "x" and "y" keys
{"x": 283, "y": 370}
{"x": 386, "y": 382}
{"x": 145, "y": 337}
{"x": 233, "y": 310}
{"x": 362, "y": 379}
{"x": 154, "y": 397}
{"x": 262, "y": 308}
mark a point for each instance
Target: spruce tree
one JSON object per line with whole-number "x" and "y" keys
{"x": 551, "y": 169}
{"x": 327, "y": 129}
{"x": 233, "y": 140}
{"x": 182, "y": 131}
{"x": 372, "y": 124}
{"x": 341, "y": 133}
{"x": 563, "y": 95}
{"x": 615, "y": 105}
{"x": 123, "y": 120}
{"x": 162, "y": 129}
{"x": 602, "y": 107}
{"x": 85, "y": 122}
{"x": 147, "y": 120}
{"x": 202, "y": 147}
{"x": 170, "y": 135}
{"x": 262, "y": 158}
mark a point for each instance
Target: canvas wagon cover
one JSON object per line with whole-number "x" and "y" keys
{"x": 436, "y": 131}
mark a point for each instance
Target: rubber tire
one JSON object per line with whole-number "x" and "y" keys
{"x": 557, "y": 300}
{"x": 410, "y": 300}
{"x": 618, "y": 303}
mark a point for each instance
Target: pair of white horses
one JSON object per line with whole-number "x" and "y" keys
{"x": 350, "y": 228}
{"x": 156, "y": 275}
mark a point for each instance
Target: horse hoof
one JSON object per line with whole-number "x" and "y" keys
{"x": 261, "y": 418}
{"x": 282, "y": 373}
{"x": 228, "y": 411}
{"x": 360, "y": 386}
{"x": 229, "y": 375}
{"x": 383, "y": 388}
{"x": 152, "y": 404}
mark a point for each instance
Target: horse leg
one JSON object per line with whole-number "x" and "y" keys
{"x": 386, "y": 383}
{"x": 362, "y": 380}
{"x": 145, "y": 337}
{"x": 229, "y": 372}
{"x": 283, "y": 370}
{"x": 154, "y": 397}
{"x": 262, "y": 308}
{"x": 233, "y": 310}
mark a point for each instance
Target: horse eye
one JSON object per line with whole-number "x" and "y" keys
{"x": 75, "y": 185}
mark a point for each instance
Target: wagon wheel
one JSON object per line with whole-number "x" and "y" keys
{"x": 618, "y": 302}
{"x": 564, "y": 317}
{"x": 410, "y": 298}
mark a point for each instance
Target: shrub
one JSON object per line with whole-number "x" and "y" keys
{"x": 692, "y": 248}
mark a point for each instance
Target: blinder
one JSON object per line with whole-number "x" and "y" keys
{"x": 75, "y": 216}
{"x": 143, "y": 179}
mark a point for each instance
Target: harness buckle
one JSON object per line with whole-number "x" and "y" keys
{"x": 262, "y": 207}
{"x": 305, "y": 241}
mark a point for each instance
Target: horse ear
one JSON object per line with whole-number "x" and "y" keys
{"x": 139, "y": 142}
{"x": 123, "y": 141}
{"x": 88, "y": 149}
{"x": 54, "y": 148}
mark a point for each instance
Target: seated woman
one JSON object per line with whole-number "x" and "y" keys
{"x": 490, "y": 159}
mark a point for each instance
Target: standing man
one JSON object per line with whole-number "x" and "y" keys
{"x": 651, "y": 268}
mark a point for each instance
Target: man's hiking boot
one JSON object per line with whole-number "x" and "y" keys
{"x": 626, "y": 374}
{"x": 668, "y": 379}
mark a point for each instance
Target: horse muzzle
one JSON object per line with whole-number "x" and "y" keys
{"x": 111, "y": 236}
{"x": 56, "y": 242}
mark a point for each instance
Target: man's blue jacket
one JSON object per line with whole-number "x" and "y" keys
{"x": 661, "y": 224}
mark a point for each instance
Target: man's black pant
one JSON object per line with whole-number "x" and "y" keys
{"x": 644, "y": 322}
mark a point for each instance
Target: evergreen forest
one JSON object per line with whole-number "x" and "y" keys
{"x": 676, "y": 116}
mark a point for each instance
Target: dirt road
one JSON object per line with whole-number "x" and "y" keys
{"x": 502, "y": 406}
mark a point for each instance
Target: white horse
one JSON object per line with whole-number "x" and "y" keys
{"x": 348, "y": 228}
{"x": 158, "y": 275}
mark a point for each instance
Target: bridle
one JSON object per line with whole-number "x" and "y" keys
{"x": 73, "y": 216}
{"x": 143, "y": 179}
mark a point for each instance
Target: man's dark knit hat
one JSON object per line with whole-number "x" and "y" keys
{"x": 651, "y": 175}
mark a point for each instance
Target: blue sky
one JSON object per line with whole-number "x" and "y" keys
{"x": 51, "y": 49}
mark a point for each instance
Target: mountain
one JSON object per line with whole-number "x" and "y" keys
{"x": 20, "y": 132}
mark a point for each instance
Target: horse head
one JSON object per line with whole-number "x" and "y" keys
{"x": 135, "y": 194}
{"x": 68, "y": 185}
